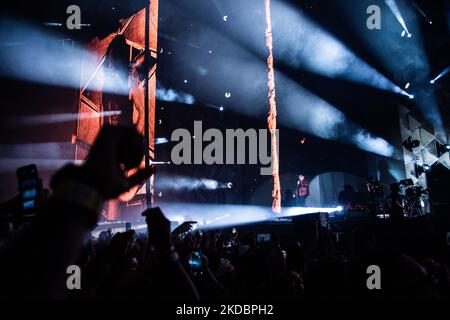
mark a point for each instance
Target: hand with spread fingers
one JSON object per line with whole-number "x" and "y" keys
{"x": 184, "y": 227}
{"x": 116, "y": 150}
{"x": 103, "y": 176}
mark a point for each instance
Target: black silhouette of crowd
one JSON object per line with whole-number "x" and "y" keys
{"x": 190, "y": 265}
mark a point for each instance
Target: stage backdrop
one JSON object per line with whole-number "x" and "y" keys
{"x": 96, "y": 75}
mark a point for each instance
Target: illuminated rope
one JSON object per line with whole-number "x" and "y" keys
{"x": 272, "y": 117}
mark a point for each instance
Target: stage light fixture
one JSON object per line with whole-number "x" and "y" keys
{"x": 419, "y": 169}
{"x": 442, "y": 148}
{"x": 421, "y": 12}
{"x": 392, "y": 4}
{"x": 440, "y": 75}
{"x": 221, "y": 108}
{"x": 407, "y": 85}
{"x": 161, "y": 140}
{"x": 410, "y": 144}
{"x": 227, "y": 95}
{"x": 229, "y": 185}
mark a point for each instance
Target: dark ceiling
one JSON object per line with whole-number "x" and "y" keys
{"x": 197, "y": 44}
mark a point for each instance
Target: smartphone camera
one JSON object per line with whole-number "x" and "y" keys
{"x": 30, "y": 188}
{"x": 195, "y": 261}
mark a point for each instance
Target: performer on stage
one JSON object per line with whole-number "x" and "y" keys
{"x": 302, "y": 190}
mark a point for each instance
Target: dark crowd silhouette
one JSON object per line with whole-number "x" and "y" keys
{"x": 205, "y": 265}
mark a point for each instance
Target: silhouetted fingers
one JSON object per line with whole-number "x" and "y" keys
{"x": 140, "y": 176}
{"x": 117, "y": 144}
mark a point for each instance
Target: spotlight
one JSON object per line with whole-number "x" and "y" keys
{"x": 183, "y": 183}
{"x": 221, "y": 108}
{"x": 403, "y": 33}
{"x": 421, "y": 12}
{"x": 407, "y": 85}
{"x": 442, "y": 148}
{"x": 225, "y": 18}
{"x": 440, "y": 75}
{"x": 168, "y": 94}
{"x": 178, "y": 219}
{"x": 411, "y": 96}
{"x": 53, "y": 24}
{"x": 227, "y": 95}
{"x": 159, "y": 162}
{"x": 419, "y": 169}
{"x": 161, "y": 140}
{"x": 185, "y": 81}
{"x": 210, "y": 51}
{"x": 392, "y": 4}
{"x": 409, "y": 35}
{"x": 297, "y": 211}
